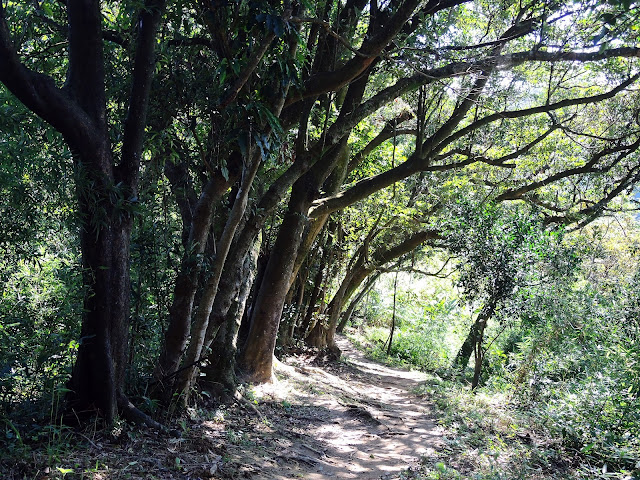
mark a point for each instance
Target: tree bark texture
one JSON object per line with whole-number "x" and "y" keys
{"x": 257, "y": 357}
{"x": 221, "y": 367}
{"x": 473, "y": 342}
{"x": 186, "y": 285}
{"x": 201, "y": 321}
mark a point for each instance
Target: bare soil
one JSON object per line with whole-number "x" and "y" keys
{"x": 350, "y": 419}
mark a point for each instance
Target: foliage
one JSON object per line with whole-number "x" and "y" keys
{"x": 487, "y": 437}
{"x": 562, "y": 383}
{"x": 378, "y": 134}
{"x": 427, "y": 317}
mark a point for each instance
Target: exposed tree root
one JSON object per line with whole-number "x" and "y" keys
{"x": 133, "y": 414}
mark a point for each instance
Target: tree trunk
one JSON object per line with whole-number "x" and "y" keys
{"x": 187, "y": 376}
{"x": 257, "y": 357}
{"x": 220, "y": 371}
{"x": 291, "y": 313}
{"x": 346, "y": 316}
{"x": 326, "y": 339}
{"x": 359, "y": 271}
{"x": 473, "y": 342}
{"x": 186, "y": 285}
{"x": 466, "y": 350}
{"x": 98, "y": 375}
{"x": 106, "y": 191}
{"x": 393, "y": 315}
{"x": 330, "y": 187}
{"x": 479, "y": 357}
{"x": 315, "y": 293}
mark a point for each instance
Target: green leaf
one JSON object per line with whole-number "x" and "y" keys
{"x": 587, "y": 448}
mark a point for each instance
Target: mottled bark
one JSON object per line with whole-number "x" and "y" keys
{"x": 473, "y": 342}
{"x": 186, "y": 285}
{"x": 257, "y": 357}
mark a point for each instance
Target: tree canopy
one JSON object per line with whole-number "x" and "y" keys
{"x": 233, "y": 174}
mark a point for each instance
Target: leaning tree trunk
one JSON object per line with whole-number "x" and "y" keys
{"x": 346, "y": 316}
{"x": 359, "y": 271}
{"x": 220, "y": 371}
{"x": 317, "y": 288}
{"x": 257, "y": 356}
{"x": 466, "y": 350}
{"x": 473, "y": 342}
{"x": 186, "y": 377}
{"x": 323, "y": 336}
{"x": 186, "y": 285}
{"x": 393, "y": 315}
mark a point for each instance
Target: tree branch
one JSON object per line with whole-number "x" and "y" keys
{"x": 589, "y": 167}
{"x": 414, "y": 164}
{"x": 570, "y": 102}
{"x": 389, "y": 131}
{"x": 85, "y": 78}
{"x": 323, "y": 82}
{"x": 39, "y": 94}
{"x": 136, "y": 119}
{"x": 244, "y": 75}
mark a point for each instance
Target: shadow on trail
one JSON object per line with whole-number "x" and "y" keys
{"x": 355, "y": 419}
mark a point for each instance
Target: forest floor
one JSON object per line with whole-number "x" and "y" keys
{"x": 321, "y": 419}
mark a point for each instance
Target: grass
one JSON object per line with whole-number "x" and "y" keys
{"x": 487, "y": 438}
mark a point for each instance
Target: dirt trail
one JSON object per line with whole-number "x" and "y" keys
{"x": 354, "y": 419}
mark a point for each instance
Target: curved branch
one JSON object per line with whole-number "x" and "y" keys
{"x": 39, "y": 94}
{"x": 589, "y": 167}
{"x": 415, "y": 163}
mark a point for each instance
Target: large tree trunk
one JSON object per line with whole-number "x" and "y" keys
{"x": 98, "y": 374}
{"x": 257, "y": 357}
{"x": 98, "y": 377}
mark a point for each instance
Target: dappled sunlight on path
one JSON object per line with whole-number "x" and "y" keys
{"x": 354, "y": 419}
